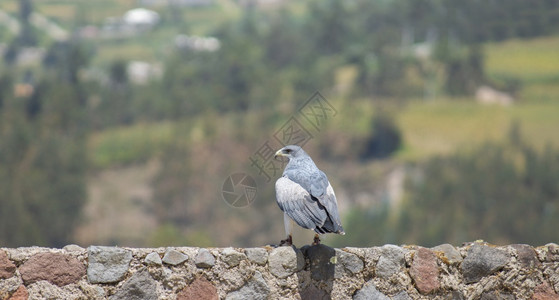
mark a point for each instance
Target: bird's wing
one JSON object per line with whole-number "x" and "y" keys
{"x": 311, "y": 179}
{"x": 333, "y": 224}
{"x": 319, "y": 184}
{"x": 298, "y": 204}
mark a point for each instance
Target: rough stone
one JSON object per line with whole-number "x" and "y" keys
{"x": 254, "y": 276}
{"x": 56, "y": 268}
{"x": 7, "y": 268}
{"x": 153, "y": 259}
{"x": 311, "y": 292}
{"x": 257, "y": 255}
{"x": 174, "y": 257}
{"x": 9, "y": 286}
{"x": 391, "y": 261}
{"x": 369, "y": 291}
{"x": 284, "y": 261}
{"x": 199, "y": 289}
{"x": 107, "y": 264}
{"x": 92, "y": 291}
{"x": 526, "y": 256}
{"x": 139, "y": 287}
{"x": 45, "y": 290}
{"x": 424, "y": 271}
{"x": 450, "y": 254}
{"x": 552, "y": 253}
{"x": 544, "y": 292}
{"x": 20, "y": 294}
{"x": 455, "y": 295}
{"x": 496, "y": 295}
{"x": 347, "y": 262}
{"x": 401, "y": 296}
{"x": 481, "y": 261}
{"x": 232, "y": 257}
{"x": 323, "y": 262}
{"x": 256, "y": 288}
{"x": 204, "y": 259}
{"x": 73, "y": 248}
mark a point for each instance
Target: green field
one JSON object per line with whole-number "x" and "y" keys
{"x": 125, "y": 145}
{"x": 434, "y": 127}
{"x": 534, "y": 63}
{"x": 443, "y": 127}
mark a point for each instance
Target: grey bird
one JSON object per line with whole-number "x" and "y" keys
{"x": 305, "y": 195}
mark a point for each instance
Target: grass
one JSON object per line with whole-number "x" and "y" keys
{"x": 534, "y": 63}
{"x": 535, "y": 59}
{"x": 152, "y": 46}
{"x": 124, "y": 145}
{"x": 441, "y": 127}
{"x": 429, "y": 128}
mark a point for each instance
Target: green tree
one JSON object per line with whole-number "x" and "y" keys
{"x": 499, "y": 193}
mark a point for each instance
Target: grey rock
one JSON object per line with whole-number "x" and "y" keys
{"x": 347, "y": 263}
{"x": 92, "y": 291}
{"x": 369, "y": 292}
{"x": 139, "y": 287}
{"x": 73, "y": 248}
{"x": 284, "y": 261}
{"x": 45, "y": 290}
{"x": 454, "y": 295}
{"x": 552, "y": 253}
{"x": 204, "y": 259}
{"x": 481, "y": 261}
{"x": 311, "y": 292}
{"x": 401, "y": 296}
{"x": 153, "y": 259}
{"x": 497, "y": 295}
{"x": 526, "y": 256}
{"x": 107, "y": 264}
{"x": 232, "y": 257}
{"x": 451, "y": 254}
{"x": 10, "y": 285}
{"x": 257, "y": 255}
{"x": 323, "y": 262}
{"x": 256, "y": 288}
{"x": 174, "y": 257}
{"x": 391, "y": 261}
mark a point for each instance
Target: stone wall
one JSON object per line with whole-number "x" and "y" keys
{"x": 473, "y": 271}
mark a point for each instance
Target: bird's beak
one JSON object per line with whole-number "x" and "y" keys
{"x": 278, "y": 154}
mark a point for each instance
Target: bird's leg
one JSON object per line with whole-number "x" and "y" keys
{"x": 287, "y": 242}
{"x": 316, "y": 240}
{"x": 288, "y": 228}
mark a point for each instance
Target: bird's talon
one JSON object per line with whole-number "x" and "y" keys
{"x": 316, "y": 240}
{"x": 287, "y": 242}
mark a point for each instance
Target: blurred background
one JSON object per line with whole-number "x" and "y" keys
{"x": 120, "y": 120}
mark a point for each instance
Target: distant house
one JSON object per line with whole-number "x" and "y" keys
{"x": 489, "y": 95}
{"x": 178, "y": 3}
{"x": 197, "y": 43}
{"x": 140, "y": 72}
{"x": 141, "y": 18}
{"x": 134, "y": 21}
{"x": 30, "y": 56}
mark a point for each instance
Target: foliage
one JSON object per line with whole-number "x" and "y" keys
{"x": 384, "y": 140}
{"x": 42, "y": 155}
{"x": 499, "y": 193}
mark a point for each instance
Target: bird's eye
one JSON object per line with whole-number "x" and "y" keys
{"x": 288, "y": 150}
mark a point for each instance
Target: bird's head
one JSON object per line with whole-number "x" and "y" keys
{"x": 291, "y": 151}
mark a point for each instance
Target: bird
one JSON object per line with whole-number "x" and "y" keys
{"x": 305, "y": 196}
